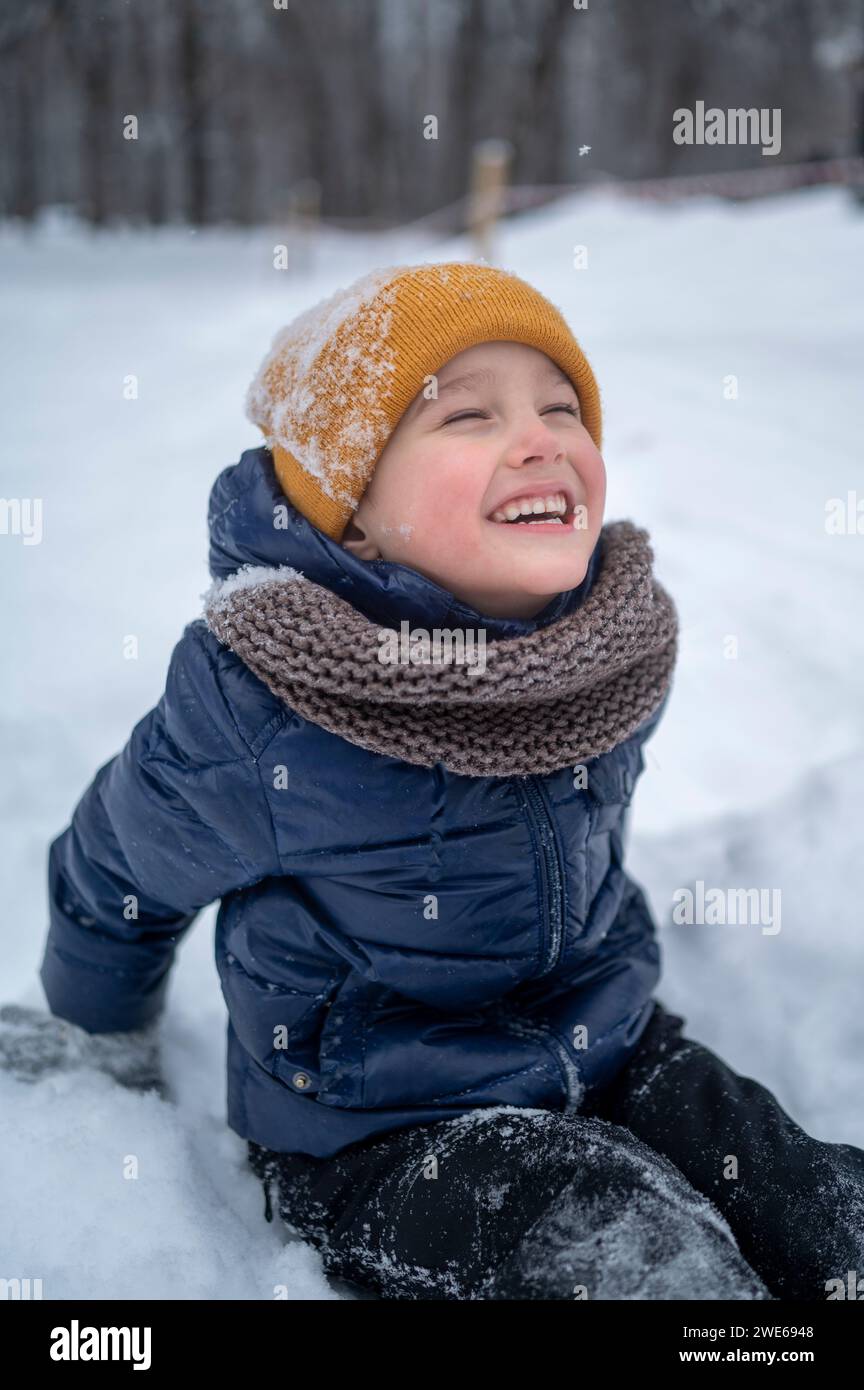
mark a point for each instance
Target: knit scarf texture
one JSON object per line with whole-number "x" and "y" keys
{"x": 557, "y": 696}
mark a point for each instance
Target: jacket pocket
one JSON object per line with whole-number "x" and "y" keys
{"x": 296, "y": 1056}
{"x": 278, "y": 1024}
{"x": 392, "y": 1054}
{"x": 341, "y": 1045}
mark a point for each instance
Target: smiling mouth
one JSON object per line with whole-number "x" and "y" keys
{"x": 542, "y": 527}
{"x": 546, "y": 515}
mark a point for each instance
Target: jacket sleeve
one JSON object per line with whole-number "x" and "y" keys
{"x": 175, "y": 820}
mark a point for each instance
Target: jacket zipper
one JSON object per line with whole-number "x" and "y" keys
{"x": 553, "y": 875}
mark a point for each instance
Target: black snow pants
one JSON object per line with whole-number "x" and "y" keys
{"x": 681, "y": 1180}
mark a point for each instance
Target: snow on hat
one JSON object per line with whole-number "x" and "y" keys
{"x": 338, "y": 378}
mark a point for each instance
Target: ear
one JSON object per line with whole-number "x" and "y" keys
{"x": 356, "y": 539}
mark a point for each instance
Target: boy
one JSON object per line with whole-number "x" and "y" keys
{"x": 443, "y": 1040}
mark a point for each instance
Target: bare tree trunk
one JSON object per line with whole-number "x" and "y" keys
{"x": 299, "y": 48}
{"x": 192, "y": 81}
{"x": 97, "y": 117}
{"x": 147, "y": 31}
{"x": 24, "y": 186}
{"x": 542, "y": 109}
{"x": 463, "y": 117}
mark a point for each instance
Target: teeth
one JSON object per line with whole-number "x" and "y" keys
{"x": 554, "y": 506}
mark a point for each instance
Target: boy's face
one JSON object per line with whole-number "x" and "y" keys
{"x": 512, "y": 431}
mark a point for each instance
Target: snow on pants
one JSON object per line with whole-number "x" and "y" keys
{"x": 630, "y": 1198}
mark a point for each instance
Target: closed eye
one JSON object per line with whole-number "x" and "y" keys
{"x": 482, "y": 415}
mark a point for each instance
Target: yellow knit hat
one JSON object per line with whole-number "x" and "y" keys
{"x": 338, "y": 378}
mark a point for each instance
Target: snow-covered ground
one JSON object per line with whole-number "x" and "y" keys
{"x": 754, "y": 779}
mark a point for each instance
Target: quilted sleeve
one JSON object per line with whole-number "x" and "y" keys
{"x": 174, "y": 821}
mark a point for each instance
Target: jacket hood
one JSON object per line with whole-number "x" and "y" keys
{"x": 240, "y": 520}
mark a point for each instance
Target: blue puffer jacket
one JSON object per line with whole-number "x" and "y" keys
{"x": 426, "y": 942}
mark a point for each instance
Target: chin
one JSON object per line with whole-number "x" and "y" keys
{"x": 545, "y": 578}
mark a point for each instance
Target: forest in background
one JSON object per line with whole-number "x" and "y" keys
{"x": 242, "y": 106}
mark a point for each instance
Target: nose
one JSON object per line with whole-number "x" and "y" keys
{"x": 534, "y": 442}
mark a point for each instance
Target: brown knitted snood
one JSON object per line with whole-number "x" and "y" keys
{"x": 558, "y": 696}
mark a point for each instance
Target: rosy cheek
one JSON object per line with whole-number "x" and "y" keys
{"x": 591, "y": 470}
{"x": 453, "y": 488}
{"x": 448, "y": 515}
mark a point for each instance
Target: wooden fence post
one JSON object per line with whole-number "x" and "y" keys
{"x": 489, "y": 170}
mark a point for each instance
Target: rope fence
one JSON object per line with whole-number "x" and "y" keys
{"x": 490, "y": 197}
